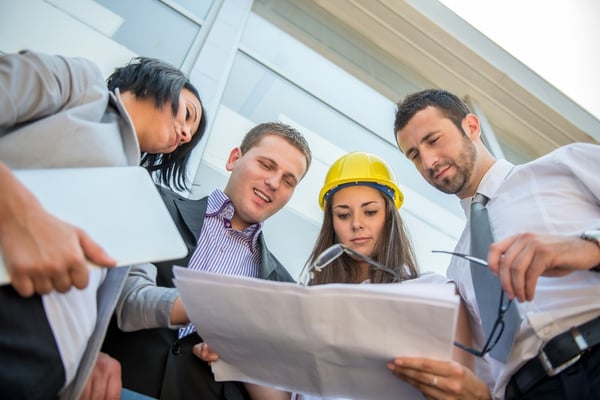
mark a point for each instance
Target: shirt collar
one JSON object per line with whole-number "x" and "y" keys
{"x": 220, "y": 205}
{"x": 128, "y": 134}
{"x": 491, "y": 182}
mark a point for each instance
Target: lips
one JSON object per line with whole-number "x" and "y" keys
{"x": 262, "y": 195}
{"x": 439, "y": 172}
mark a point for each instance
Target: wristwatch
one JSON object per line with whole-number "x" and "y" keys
{"x": 592, "y": 236}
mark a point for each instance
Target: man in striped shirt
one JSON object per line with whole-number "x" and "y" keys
{"x": 154, "y": 340}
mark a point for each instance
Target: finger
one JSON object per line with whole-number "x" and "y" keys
{"x": 61, "y": 282}
{"x": 94, "y": 252}
{"x": 94, "y": 388}
{"x": 537, "y": 268}
{"x": 425, "y": 383}
{"x": 197, "y": 350}
{"x": 114, "y": 385}
{"x": 85, "y": 393}
{"x": 412, "y": 375}
{"x": 23, "y": 284}
{"x": 521, "y": 267}
{"x": 79, "y": 275}
{"x": 530, "y": 285}
{"x": 507, "y": 270}
{"x": 208, "y": 354}
{"x": 496, "y": 253}
{"x": 42, "y": 285}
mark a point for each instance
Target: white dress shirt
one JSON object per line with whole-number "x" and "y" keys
{"x": 557, "y": 194}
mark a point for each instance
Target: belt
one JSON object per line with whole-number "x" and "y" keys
{"x": 557, "y": 355}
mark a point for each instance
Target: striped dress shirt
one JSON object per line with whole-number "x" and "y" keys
{"x": 222, "y": 249}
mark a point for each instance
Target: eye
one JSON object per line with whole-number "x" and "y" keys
{"x": 289, "y": 183}
{"x": 343, "y": 216}
{"x": 264, "y": 165}
{"x": 188, "y": 114}
{"x": 371, "y": 213}
{"x": 413, "y": 155}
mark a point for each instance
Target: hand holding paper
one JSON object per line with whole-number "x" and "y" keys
{"x": 328, "y": 340}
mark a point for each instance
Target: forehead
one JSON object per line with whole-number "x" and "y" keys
{"x": 422, "y": 123}
{"x": 190, "y": 98}
{"x": 356, "y": 194}
{"x": 285, "y": 154}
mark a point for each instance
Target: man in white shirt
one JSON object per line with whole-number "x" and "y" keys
{"x": 545, "y": 218}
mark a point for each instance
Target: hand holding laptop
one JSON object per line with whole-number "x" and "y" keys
{"x": 40, "y": 251}
{"x": 56, "y": 222}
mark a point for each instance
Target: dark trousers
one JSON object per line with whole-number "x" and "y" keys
{"x": 154, "y": 362}
{"x": 581, "y": 381}
{"x": 30, "y": 364}
{"x": 189, "y": 378}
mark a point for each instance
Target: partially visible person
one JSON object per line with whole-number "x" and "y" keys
{"x": 544, "y": 216}
{"x": 151, "y": 335}
{"x": 360, "y": 199}
{"x": 55, "y": 112}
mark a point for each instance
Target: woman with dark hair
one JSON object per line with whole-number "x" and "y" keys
{"x": 149, "y": 78}
{"x": 58, "y": 112}
{"x": 373, "y": 228}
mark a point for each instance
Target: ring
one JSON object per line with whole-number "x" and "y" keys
{"x": 434, "y": 381}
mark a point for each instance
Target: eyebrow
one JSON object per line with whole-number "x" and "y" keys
{"x": 195, "y": 112}
{"x": 366, "y": 203}
{"x": 423, "y": 139}
{"x": 286, "y": 174}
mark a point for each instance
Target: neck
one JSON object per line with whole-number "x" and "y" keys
{"x": 484, "y": 161}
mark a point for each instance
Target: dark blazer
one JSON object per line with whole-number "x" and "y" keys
{"x": 154, "y": 361}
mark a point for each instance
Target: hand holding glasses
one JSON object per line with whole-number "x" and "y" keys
{"x": 333, "y": 252}
{"x": 498, "y": 328}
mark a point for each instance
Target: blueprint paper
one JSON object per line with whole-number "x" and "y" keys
{"x": 327, "y": 340}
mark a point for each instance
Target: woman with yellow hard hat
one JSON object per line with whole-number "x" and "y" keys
{"x": 360, "y": 199}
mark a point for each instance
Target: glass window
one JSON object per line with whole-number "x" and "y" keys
{"x": 198, "y": 8}
{"x": 157, "y": 31}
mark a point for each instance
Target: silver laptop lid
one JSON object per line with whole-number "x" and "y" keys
{"x": 119, "y": 207}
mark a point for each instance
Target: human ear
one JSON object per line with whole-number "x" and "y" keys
{"x": 471, "y": 126}
{"x": 234, "y": 155}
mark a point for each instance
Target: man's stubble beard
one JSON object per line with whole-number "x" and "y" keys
{"x": 463, "y": 166}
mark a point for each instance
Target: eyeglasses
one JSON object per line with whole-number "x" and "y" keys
{"x": 503, "y": 305}
{"x": 333, "y": 252}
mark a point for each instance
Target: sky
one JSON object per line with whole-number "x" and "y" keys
{"x": 558, "y": 39}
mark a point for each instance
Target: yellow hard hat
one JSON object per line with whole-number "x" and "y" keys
{"x": 360, "y": 168}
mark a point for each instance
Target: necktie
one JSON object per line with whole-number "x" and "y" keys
{"x": 487, "y": 285}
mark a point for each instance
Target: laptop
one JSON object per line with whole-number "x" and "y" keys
{"x": 118, "y": 207}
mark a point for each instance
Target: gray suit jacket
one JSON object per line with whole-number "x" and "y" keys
{"x": 57, "y": 112}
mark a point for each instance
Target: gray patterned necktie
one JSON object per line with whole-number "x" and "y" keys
{"x": 487, "y": 285}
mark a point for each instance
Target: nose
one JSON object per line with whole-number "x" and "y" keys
{"x": 186, "y": 134}
{"x": 356, "y": 224}
{"x": 273, "y": 181}
{"x": 428, "y": 159}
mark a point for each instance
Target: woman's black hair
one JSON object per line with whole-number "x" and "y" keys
{"x": 152, "y": 78}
